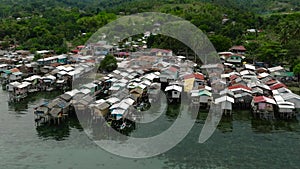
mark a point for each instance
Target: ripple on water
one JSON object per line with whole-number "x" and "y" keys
{"x": 240, "y": 142}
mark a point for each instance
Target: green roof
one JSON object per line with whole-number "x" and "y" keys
{"x": 204, "y": 93}
{"x": 283, "y": 74}
{"x": 7, "y": 71}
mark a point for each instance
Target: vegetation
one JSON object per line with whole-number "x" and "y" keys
{"x": 108, "y": 64}
{"x": 37, "y": 56}
{"x": 296, "y": 70}
{"x": 64, "y": 24}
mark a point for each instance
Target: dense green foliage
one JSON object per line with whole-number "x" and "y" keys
{"x": 52, "y": 30}
{"x": 108, "y": 64}
{"x": 63, "y": 24}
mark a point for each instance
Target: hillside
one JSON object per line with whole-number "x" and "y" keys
{"x": 63, "y": 24}
{"x": 25, "y": 7}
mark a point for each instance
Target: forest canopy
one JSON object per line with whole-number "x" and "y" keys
{"x": 60, "y": 25}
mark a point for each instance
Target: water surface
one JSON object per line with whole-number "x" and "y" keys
{"x": 239, "y": 142}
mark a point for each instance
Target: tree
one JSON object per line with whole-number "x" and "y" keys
{"x": 296, "y": 71}
{"x": 109, "y": 63}
{"x": 5, "y": 45}
{"x": 221, "y": 43}
{"x": 37, "y": 57}
{"x": 272, "y": 52}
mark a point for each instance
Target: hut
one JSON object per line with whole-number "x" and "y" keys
{"x": 238, "y": 49}
{"x": 48, "y": 82}
{"x": 249, "y": 67}
{"x": 5, "y": 76}
{"x": 66, "y": 97}
{"x": 11, "y": 86}
{"x": 119, "y": 110}
{"x": 61, "y": 104}
{"x": 227, "y": 92}
{"x": 284, "y": 109}
{"x": 101, "y": 110}
{"x": 52, "y": 112}
{"x": 195, "y": 80}
{"x": 4, "y": 67}
{"x": 113, "y": 89}
{"x": 242, "y": 95}
{"x": 226, "y": 104}
{"x": 41, "y": 112}
{"x": 112, "y": 100}
{"x": 235, "y": 59}
{"x": 15, "y": 76}
{"x": 18, "y": 91}
{"x": 260, "y": 89}
{"x": 201, "y": 97}
{"x": 90, "y": 86}
{"x": 277, "y": 86}
{"x": 81, "y": 103}
{"x": 291, "y": 97}
{"x": 195, "y": 98}
{"x": 35, "y": 82}
{"x": 154, "y": 92}
{"x": 205, "y": 97}
{"x": 137, "y": 93}
{"x": 263, "y": 107}
{"x": 173, "y": 93}
{"x": 169, "y": 74}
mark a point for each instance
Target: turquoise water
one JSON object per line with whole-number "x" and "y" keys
{"x": 240, "y": 142}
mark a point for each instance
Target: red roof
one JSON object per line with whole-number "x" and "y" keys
{"x": 239, "y": 86}
{"x": 14, "y": 70}
{"x": 172, "y": 69}
{"x": 195, "y": 75}
{"x": 277, "y": 86}
{"x": 90, "y": 61}
{"x": 123, "y": 54}
{"x": 261, "y": 99}
{"x": 240, "y": 48}
{"x": 270, "y": 82}
{"x": 75, "y": 51}
{"x": 188, "y": 76}
{"x": 199, "y": 76}
{"x": 233, "y": 77}
{"x": 55, "y": 64}
{"x": 160, "y": 50}
{"x": 80, "y": 47}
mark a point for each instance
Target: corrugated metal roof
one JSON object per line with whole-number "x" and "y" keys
{"x": 174, "y": 87}
{"x": 248, "y": 66}
{"x": 239, "y": 87}
{"x": 261, "y": 99}
{"x": 118, "y": 112}
{"x": 223, "y": 99}
{"x": 121, "y": 105}
{"x": 274, "y": 69}
{"x": 102, "y": 106}
{"x": 277, "y": 86}
{"x": 205, "y": 93}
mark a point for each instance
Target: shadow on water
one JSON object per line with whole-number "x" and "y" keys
{"x": 225, "y": 124}
{"x": 173, "y": 111}
{"x": 58, "y": 132}
{"x": 242, "y": 115}
{"x": 217, "y": 152}
{"x": 33, "y": 97}
{"x": 263, "y": 126}
{"x": 102, "y": 131}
